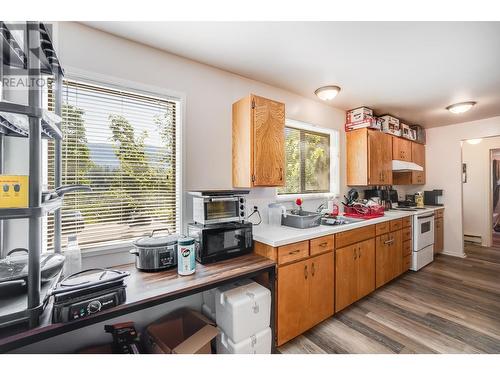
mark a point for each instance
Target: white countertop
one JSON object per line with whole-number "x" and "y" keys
{"x": 282, "y": 235}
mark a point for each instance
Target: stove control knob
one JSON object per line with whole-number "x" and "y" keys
{"x": 93, "y": 307}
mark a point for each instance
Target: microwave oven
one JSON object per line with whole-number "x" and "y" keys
{"x": 221, "y": 241}
{"x": 215, "y": 207}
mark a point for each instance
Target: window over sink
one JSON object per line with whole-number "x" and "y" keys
{"x": 311, "y": 160}
{"x": 125, "y": 145}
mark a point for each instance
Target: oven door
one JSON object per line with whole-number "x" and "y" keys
{"x": 423, "y": 231}
{"x": 224, "y": 242}
{"x": 216, "y": 210}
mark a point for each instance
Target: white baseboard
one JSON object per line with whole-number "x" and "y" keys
{"x": 462, "y": 255}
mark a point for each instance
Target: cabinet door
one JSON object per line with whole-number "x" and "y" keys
{"x": 401, "y": 149}
{"x": 379, "y": 158}
{"x": 268, "y": 142}
{"x": 346, "y": 276}
{"x": 366, "y": 268}
{"x": 397, "y": 253}
{"x": 382, "y": 260}
{"x": 438, "y": 235}
{"x": 321, "y": 288}
{"x": 418, "y": 153}
{"x": 293, "y": 299}
{"x": 418, "y": 178}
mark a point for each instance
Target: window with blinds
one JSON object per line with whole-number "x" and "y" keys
{"x": 124, "y": 145}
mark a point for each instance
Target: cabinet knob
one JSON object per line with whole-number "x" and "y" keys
{"x": 312, "y": 269}
{"x": 359, "y": 252}
{"x": 305, "y": 271}
{"x": 281, "y": 174}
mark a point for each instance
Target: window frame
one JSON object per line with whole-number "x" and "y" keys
{"x": 119, "y": 84}
{"x": 334, "y": 159}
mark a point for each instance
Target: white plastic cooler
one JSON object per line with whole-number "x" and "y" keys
{"x": 242, "y": 309}
{"x": 258, "y": 343}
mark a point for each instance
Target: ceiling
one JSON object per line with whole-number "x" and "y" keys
{"x": 412, "y": 70}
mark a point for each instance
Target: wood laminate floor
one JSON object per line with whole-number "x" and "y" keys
{"x": 450, "y": 306}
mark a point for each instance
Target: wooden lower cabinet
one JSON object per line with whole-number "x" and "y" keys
{"x": 388, "y": 257}
{"x": 438, "y": 235}
{"x": 321, "y": 289}
{"x": 354, "y": 272}
{"x": 292, "y": 299}
{"x": 346, "y": 276}
{"x": 305, "y": 295}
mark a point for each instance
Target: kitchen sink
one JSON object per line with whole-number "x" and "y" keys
{"x": 339, "y": 220}
{"x": 301, "y": 219}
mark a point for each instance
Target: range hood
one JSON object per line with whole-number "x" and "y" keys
{"x": 405, "y": 166}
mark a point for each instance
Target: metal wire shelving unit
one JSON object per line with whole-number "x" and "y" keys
{"x": 38, "y": 58}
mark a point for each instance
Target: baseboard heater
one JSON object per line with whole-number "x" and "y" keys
{"x": 473, "y": 239}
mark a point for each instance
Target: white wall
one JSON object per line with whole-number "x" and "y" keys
{"x": 477, "y": 190}
{"x": 443, "y": 155}
{"x": 209, "y": 94}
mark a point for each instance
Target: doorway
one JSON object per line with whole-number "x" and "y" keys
{"x": 495, "y": 197}
{"x": 481, "y": 196}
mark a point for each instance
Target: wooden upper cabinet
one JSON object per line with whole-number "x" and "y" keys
{"x": 418, "y": 153}
{"x": 369, "y": 158}
{"x": 417, "y": 157}
{"x": 258, "y": 142}
{"x": 401, "y": 149}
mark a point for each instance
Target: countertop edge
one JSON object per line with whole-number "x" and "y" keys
{"x": 296, "y": 235}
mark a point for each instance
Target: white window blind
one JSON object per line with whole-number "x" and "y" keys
{"x": 124, "y": 145}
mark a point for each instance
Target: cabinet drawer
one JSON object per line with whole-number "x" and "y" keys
{"x": 355, "y": 235}
{"x": 406, "y": 234}
{"x": 291, "y": 253}
{"x": 406, "y": 248}
{"x": 439, "y": 213}
{"x": 382, "y": 228}
{"x": 321, "y": 245}
{"x": 406, "y": 221}
{"x": 395, "y": 225}
{"x": 406, "y": 263}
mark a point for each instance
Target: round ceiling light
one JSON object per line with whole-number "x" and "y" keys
{"x": 474, "y": 141}
{"x": 327, "y": 92}
{"x": 460, "y": 107}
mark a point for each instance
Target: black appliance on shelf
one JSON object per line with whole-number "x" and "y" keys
{"x": 221, "y": 241}
{"x": 383, "y": 193}
{"x": 88, "y": 292}
{"x": 433, "y": 197}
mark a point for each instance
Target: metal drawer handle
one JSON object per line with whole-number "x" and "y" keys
{"x": 305, "y": 271}
{"x": 323, "y": 244}
{"x": 294, "y": 252}
{"x": 389, "y": 241}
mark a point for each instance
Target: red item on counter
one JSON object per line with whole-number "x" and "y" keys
{"x": 298, "y": 201}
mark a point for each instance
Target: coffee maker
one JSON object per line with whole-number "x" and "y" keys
{"x": 433, "y": 198}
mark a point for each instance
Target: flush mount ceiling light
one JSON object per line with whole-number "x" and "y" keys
{"x": 474, "y": 141}
{"x": 327, "y": 92}
{"x": 460, "y": 107}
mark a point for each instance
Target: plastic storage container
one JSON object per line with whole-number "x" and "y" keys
{"x": 259, "y": 343}
{"x": 209, "y": 299}
{"x": 207, "y": 312}
{"x": 242, "y": 309}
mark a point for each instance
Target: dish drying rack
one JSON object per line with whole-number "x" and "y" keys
{"x": 361, "y": 211}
